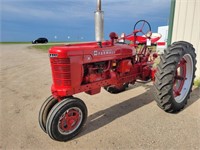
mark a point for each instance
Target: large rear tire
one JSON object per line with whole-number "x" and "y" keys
{"x": 175, "y": 76}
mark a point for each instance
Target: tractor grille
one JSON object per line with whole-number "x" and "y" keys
{"x": 61, "y": 71}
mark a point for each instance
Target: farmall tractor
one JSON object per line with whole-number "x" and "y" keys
{"x": 113, "y": 65}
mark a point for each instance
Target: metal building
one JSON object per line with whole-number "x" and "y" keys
{"x": 185, "y": 24}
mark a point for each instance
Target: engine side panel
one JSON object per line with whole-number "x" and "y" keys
{"x": 91, "y": 67}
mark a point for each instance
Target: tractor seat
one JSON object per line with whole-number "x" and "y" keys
{"x": 154, "y": 37}
{"x": 143, "y": 39}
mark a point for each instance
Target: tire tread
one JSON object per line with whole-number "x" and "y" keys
{"x": 164, "y": 76}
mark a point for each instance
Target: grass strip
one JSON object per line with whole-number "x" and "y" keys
{"x": 15, "y": 42}
{"x": 197, "y": 82}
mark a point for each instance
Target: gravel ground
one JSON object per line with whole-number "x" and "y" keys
{"x": 129, "y": 120}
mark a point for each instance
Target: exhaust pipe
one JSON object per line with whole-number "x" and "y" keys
{"x": 99, "y": 23}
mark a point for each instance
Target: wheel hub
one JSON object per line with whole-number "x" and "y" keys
{"x": 183, "y": 78}
{"x": 180, "y": 77}
{"x": 70, "y": 120}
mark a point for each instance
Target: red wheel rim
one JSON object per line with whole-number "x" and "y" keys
{"x": 183, "y": 78}
{"x": 70, "y": 120}
{"x": 180, "y": 77}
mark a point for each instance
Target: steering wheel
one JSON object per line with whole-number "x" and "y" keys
{"x": 142, "y": 26}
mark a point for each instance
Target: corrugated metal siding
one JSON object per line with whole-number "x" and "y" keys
{"x": 187, "y": 25}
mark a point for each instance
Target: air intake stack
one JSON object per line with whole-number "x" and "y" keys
{"x": 99, "y": 23}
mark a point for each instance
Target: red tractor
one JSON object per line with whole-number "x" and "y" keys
{"x": 114, "y": 64}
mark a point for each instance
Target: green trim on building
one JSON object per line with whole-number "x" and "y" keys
{"x": 171, "y": 21}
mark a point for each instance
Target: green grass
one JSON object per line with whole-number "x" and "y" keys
{"x": 44, "y": 47}
{"x": 197, "y": 82}
{"x": 15, "y": 42}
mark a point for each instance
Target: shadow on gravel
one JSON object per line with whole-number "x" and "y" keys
{"x": 106, "y": 116}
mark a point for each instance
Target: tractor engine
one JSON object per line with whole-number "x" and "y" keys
{"x": 106, "y": 69}
{"x": 87, "y": 67}
{"x": 96, "y": 72}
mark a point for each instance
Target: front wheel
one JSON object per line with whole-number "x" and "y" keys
{"x": 175, "y": 76}
{"x": 44, "y": 111}
{"x": 66, "y": 119}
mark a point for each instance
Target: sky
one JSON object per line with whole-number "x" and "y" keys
{"x": 73, "y": 20}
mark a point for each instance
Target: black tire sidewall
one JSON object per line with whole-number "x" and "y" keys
{"x": 55, "y": 114}
{"x": 44, "y": 110}
{"x": 165, "y": 76}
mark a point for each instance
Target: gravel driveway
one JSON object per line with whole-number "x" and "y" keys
{"x": 129, "y": 120}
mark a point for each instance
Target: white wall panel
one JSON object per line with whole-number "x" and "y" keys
{"x": 187, "y": 25}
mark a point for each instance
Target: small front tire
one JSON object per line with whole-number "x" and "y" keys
{"x": 44, "y": 111}
{"x": 66, "y": 119}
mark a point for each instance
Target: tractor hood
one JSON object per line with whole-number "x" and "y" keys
{"x": 92, "y": 51}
